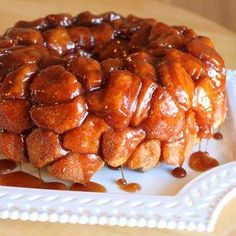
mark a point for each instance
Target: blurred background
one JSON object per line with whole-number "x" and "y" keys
{"x": 220, "y": 11}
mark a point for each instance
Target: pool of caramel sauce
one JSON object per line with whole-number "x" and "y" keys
{"x": 128, "y": 187}
{"x": 201, "y": 161}
{"x": 179, "y": 172}
{"x": 22, "y": 179}
{"x": 89, "y": 187}
{"x": 218, "y": 136}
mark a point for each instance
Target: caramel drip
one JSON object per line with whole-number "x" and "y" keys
{"x": 25, "y": 180}
{"x": 89, "y": 187}
{"x": 179, "y": 172}
{"x": 125, "y": 186}
{"x": 131, "y": 187}
{"x": 218, "y": 136}
{"x": 201, "y": 161}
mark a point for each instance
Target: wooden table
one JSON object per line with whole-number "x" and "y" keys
{"x": 225, "y": 40}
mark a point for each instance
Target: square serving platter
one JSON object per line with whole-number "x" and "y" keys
{"x": 191, "y": 203}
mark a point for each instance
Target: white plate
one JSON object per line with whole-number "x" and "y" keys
{"x": 191, "y": 203}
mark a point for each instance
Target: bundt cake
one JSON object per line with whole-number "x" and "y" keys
{"x": 80, "y": 92}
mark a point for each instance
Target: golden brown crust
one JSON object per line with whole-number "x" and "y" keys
{"x": 12, "y": 146}
{"x": 190, "y": 132}
{"x": 54, "y": 85}
{"x": 146, "y": 155}
{"x": 87, "y": 71}
{"x": 86, "y": 138}
{"x": 165, "y": 118}
{"x": 204, "y": 106}
{"x": 58, "y": 40}
{"x": 220, "y": 109}
{"x": 102, "y": 33}
{"x": 25, "y": 36}
{"x": 14, "y": 115}
{"x": 178, "y": 83}
{"x": 111, "y": 64}
{"x": 175, "y": 150}
{"x": 118, "y": 144}
{"x": 16, "y": 83}
{"x": 76, "y": 167}
{"x": 81, "y": 36}
{"x": 60, "y": 117}
{"x": 118, "y": 99}
{"x": 43, "y": 147}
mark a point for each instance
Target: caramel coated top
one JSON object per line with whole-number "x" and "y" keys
{"x": 125, "y": 79}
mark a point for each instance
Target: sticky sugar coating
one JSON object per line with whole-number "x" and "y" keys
{"x": 79, "y": 92}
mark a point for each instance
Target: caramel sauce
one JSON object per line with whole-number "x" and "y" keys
{"x": 201, "y": 161}
{"x": 113, "y": 168}
{"x": 218, "y": 136}
{"x": 20, "y": 179}
{"x": 133, "y": 42}
{"x": 23, "y": 179}
{"x": 54, "y": 185}
{"x": 7, "y": 165}
{"x": 123, "y": 184}
{"x": 131, "y": 187}
{"x": 89, "y": 187}
{"x": 179, "y": 172}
